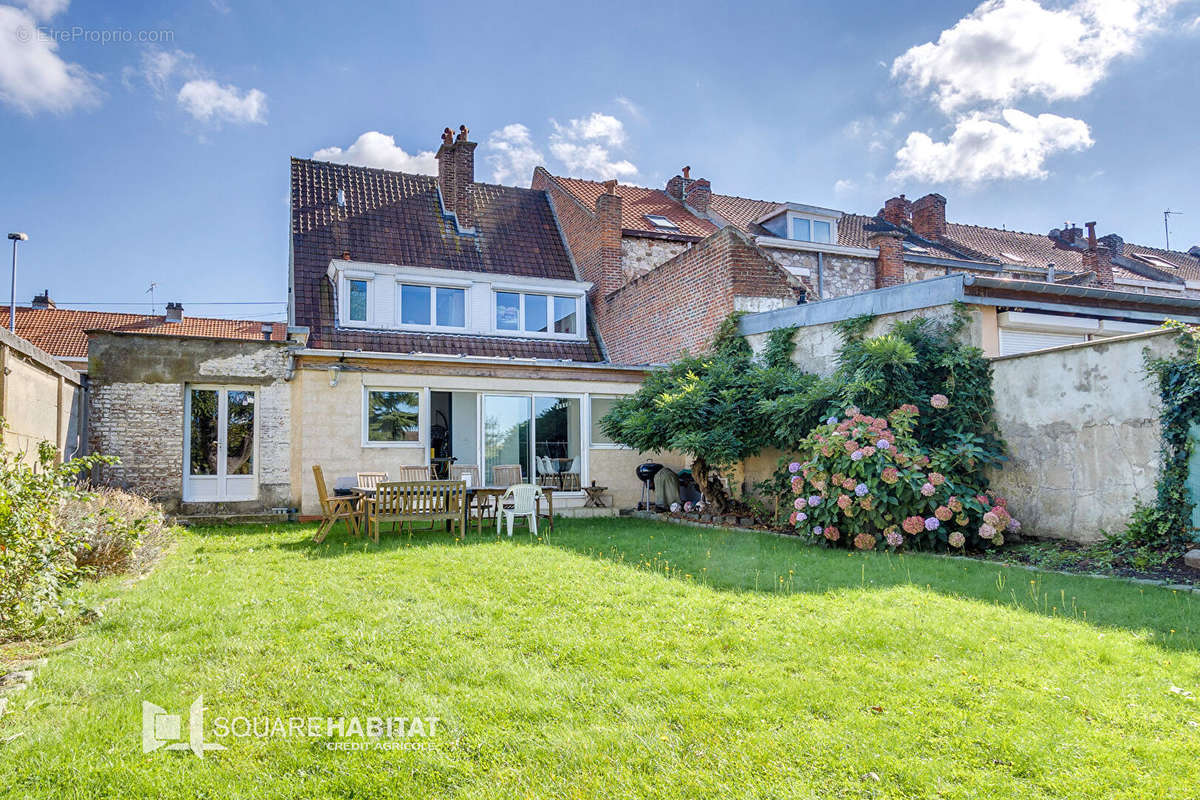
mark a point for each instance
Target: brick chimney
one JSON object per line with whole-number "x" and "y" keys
{"x": 1098, "y": 259}
{"x": 897, "y": 211}
{"x": 43, "y": 300}
{"x": 608, "y": 251}
{"x": 456, "y": 173}
{"x": 889, "y": 268}
{"x": 696, "y": 192}
{"x": 174, "y": 313}
{"x": 1114, "y": 243}
{"x": 929, "y": 217}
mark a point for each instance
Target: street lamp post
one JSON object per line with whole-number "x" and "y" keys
{"x": 12, "y": 304}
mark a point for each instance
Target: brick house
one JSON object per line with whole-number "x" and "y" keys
{"x": 652, "y": 250}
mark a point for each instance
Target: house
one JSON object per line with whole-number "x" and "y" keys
{"x": 433, "y": 319}
{"x": 670, "y": 252}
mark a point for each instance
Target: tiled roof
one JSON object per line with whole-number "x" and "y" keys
{"x": 397, "y": 218}
{"x": 741, "y": 212}
{"x": 62, "y": 332}
{"x": 636, "y": 203}
{"x": 1187, "y": 264}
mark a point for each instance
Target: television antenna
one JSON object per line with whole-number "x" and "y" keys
{"x": 1167, "y": 224}
{"x": 150, "y": 292}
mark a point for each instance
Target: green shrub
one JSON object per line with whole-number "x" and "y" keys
{"x": 864, "y": 481}
{"x": 37, "y": 554}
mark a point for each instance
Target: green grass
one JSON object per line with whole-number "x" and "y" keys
{"x": 621, "y": 658}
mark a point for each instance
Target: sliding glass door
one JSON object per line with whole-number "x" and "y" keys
{"x": 540, "y": 433}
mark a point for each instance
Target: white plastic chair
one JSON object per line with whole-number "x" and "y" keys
{"x": 519, "y": 500}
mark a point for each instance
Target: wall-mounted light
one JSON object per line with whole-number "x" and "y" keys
{"x": 334, "y": 372}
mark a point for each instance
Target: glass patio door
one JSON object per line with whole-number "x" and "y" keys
{"x": 506, "y": 428}
{"x": 541, "y": 433}
{"x": 219, "y": 445}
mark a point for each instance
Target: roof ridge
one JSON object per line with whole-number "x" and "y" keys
{"x": 140, "y": 315}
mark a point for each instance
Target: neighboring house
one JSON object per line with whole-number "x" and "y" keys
{"x": 660, "y": 251}
{"x": 63, "y": 333}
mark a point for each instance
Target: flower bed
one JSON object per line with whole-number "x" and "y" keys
{"x": 863, "y": 482}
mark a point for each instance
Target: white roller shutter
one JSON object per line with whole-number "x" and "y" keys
{"x": 1013, "y": 342}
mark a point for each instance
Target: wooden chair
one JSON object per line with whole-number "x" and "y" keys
{"x": 369, "y": 480}
{"x": 519, "y": 501}
{"x": 469, "y": 474}
{"x": 417, "y": 501}
{"x": 410, "y": 474}
{"x": 506, "y": 474}
{"x": 333, "y": 508}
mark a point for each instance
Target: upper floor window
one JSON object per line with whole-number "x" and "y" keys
{"x": 433, "y": 306}
{"x": 537, "y": 313}
{"x": 357, "y": 302}
{"x": 806, "y": 229}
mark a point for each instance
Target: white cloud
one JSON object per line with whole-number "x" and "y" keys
{"x": 374, "y": 149}
{"x": 159, "y": 68}
{"x": 632, "y": 109}
{"x": 209, "y": 101}
{"x": 45, "y": 9}
{"x": 513, "y": 155}
{"x": 984, "y": 148}
{"x": 1007, "y": 49}
{"x": 584, "y": 146}
{"x": 33, "y": 77}
{"x": 844, "y": 185}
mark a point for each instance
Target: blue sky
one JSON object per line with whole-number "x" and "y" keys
{"x": 146, "y": 143}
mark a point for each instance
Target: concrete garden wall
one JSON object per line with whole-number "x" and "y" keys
{"x": 40, "y": 400}
{"x": 1082, "y": 426}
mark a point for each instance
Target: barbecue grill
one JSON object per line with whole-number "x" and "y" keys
{"x": 646, "y": 473}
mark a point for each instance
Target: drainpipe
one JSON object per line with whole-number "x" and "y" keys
{"x": 820, "y": 275}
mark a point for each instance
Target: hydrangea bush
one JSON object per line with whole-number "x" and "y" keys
{"x": 863, "y": 482}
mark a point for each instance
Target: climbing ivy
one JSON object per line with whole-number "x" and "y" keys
{"x": 1169, "y": 520}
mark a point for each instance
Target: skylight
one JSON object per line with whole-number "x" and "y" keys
{"x": 1010, "y": 257}
{"x": 661, "y": 222}
{"x": 914, "y": 248}
{"x": 1155, "y": 261}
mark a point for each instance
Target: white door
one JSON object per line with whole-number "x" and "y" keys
{"x": 220, "y": 453}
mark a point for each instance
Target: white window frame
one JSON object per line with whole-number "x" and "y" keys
{"x": 594, "y": 445}
{"x": 811, "y": 219}
{"x": 580, "y": 323}
{"x": 422, "y": 415}
{"x": 344, "y": 297}
{"x": 585, "y": 430}
{"x": 433, "y": 285}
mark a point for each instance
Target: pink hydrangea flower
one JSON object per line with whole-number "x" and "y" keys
{"x": 986, "y": 531}
{"x": 890, "y": 475}
{"x": 957, "y": 539}
{"x": 895, "y": 538}
{"x": 799, "y": 503}
{"x": 939, "y": 401}
{"x": 936, "y": 478}
{"x": 928, "y": 489}
{"x": 943, "y": 513}
{"x": 832, "y": 533}
{"x": 848, "y": 483}
{"x": 797, "y": 483}
{"x": 913, "y": 525}
{"x": 792, "y": 520}
{"x": 864, "y": 541}
{"x": 843, "y": 501}
{"x": 955, "y": 504}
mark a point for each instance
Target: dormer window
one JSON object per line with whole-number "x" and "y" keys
{"x": 431, "y": 306}
{"x": 358, "y": 308}
{"x": 807, "y": 229}
{"x": 914, "y": 248}
{"x": 529, "y": 312}
{"x": 662, "y": 223}
{"x": 801, "y": 223}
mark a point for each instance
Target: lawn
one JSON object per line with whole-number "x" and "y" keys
{"x": 619, "y": 658}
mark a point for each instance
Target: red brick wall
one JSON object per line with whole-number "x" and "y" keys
{"x": 1099, "y": 261}
{"x": 889, "y": 269}
{"x": 929, "y": 216}
{"x": 678, "y": 305}
{"x": 593, "y": 235}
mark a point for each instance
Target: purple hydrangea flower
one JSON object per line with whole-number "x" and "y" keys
{"x": 932, "y": 524}
{"x": 794, "y": 467}
{"x": 831, "y": 421}
{"x": 818, "y": 530}
{"x": 895, "y": 538}
{"x": 801, "y": 516}
{"x": 814, "y": 500}
{"x": 884, "y": 444}
{"x": 861, "y": 489}
{"x": 857, "y": 455}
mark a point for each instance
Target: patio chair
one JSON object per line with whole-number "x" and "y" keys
{"x": 406, "y": 502}
{"x": 506, "y": 474}
{"x": 333, "y": 508}
{"x": 519, "y": 501}
{"x": 547, "y": 473}
{"x": 569, "y": 478}
{"x": 369, "y": 480}
{"x": 469, "y": 475}
{"x": 410, "y": 473}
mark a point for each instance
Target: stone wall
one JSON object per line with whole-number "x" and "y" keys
{"x": 1082, "y": 426}
{"x": 640, "y": 255}
{"x": 841, "y": 275}
{"x": 138, "y": 385}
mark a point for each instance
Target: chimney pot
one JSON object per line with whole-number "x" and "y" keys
{"x": 687, "y": 173}
{"x": 610, "y": 186}
{"x": 1091, "y": 234}
{"x": 897, "y": 211}
{"x": 174, "y": 312}
{"x": 456, "y": 174}
{"x": 929, "y": 216}
{"x": 43, "y": 300}
{"x": 1194, "y": 251}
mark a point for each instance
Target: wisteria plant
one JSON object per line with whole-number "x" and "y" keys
{"x": 862, "y": 481}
